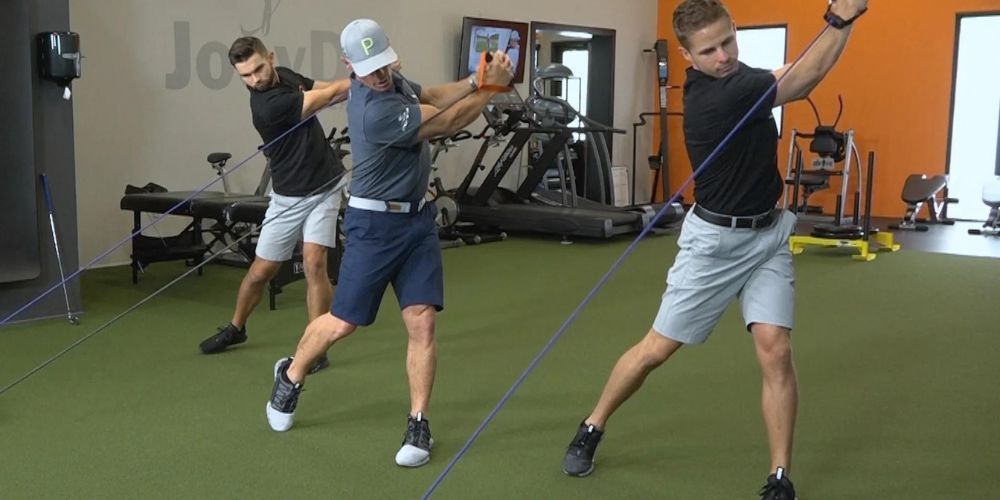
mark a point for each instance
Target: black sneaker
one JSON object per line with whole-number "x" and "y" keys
{"x": 778, "y": 487}
{"x": 321, "y": 363}
{"x": 284, "y": 398}
{"x": 227, "y": 336}
{"x": 579, "y": 460}
{"x": 417, "y": 442}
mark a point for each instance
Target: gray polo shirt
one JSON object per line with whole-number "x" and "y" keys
{"x": 401, "y": 171}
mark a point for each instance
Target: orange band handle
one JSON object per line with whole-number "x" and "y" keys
{"x": 485, "y": 59}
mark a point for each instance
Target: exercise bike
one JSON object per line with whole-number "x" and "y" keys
{"x": 450, "y": 232}
{"x": 223, "y": 233}
{"x": 337, "y": 143}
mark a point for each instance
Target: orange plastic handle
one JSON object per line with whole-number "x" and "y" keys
{"x": 485, "y": 59}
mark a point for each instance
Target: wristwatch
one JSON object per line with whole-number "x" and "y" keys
{"x": 472, "y": 83}
{"x": 838, "y": 22}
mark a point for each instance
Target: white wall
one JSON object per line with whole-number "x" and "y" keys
{"x": 138, "y": 119}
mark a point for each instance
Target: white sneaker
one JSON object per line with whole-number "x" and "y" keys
{"x": 417, "y": 442}
{"x": 280, "y": 408}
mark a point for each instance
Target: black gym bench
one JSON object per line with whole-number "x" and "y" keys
{"x": 920, "y": 190}
{"x": 229, "y": 211}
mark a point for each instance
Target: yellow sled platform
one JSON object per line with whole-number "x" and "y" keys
{"x": 867, "y": 250}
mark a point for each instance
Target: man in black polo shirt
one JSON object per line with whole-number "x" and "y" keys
{"x": 734, "y": 243}
{"x": 307, "y": 179}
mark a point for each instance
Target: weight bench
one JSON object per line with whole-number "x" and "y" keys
{"x": 250, "y": 209}
{"x": 188, "y": 245}
{"x": 225, "y": 230}
{"x": 228, "y": 210}
{"x": 919, "y": 190}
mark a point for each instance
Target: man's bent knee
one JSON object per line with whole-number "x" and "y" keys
{"x": 262, "y": 270}
{"x": 655, "y": 349}
{"x": 331, "y": 328}
{"x": 314, "y": 261}
{"x": 419, "y": 321}
{"x": 773, "y": 344}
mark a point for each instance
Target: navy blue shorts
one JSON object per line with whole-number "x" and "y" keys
{"x": 383, "y": 248}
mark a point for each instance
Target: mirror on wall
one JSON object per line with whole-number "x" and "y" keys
{"x": 576, "y": 65}
{"x": 589, "y": 53}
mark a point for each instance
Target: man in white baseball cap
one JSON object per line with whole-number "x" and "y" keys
{"x": 392, "y": 234}
{"x": 366, "y": 47}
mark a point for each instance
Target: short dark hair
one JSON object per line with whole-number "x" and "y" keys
{"x": 244, "y": 48}
{"x": 693, "y": 15}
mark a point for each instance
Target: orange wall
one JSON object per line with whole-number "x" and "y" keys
{"x": 895, "y": 77}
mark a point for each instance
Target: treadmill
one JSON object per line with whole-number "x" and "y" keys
{"x": 542, "y": 204}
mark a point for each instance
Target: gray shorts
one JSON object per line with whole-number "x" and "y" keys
{"x": 717, "y": 264}
{"x": 312, "y": 220}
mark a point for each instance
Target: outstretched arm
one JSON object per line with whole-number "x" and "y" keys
{"x": 811, "y": 70}
{"x": 324, "y": 94}
{"x": 499, "y": 72}
{"x": 440, "y": 95}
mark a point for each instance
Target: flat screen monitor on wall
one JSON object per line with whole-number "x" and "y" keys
{"x": 491, "y": 34}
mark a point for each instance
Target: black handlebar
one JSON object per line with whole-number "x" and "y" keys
{"x": 343, "y": 139}
{"x": 461, "y": 135}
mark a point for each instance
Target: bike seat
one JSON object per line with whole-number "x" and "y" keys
{"x": 214, "y": 158}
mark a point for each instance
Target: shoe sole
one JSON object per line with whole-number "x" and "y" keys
{"x": 424, "y": 461}
{"x": 582, "y": 474}
{"x": 418, "y": 464}
{"x": 222, "y": 348}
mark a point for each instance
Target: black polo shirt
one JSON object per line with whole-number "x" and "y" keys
{"x": 301, "y": 161}
{"x": 743, "y": 179}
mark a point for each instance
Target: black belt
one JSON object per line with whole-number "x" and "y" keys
{"x": 759, "y": 221}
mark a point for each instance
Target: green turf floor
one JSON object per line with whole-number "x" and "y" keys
{"x": 898, "y": 360}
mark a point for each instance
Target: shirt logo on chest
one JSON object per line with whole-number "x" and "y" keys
{"x": 404, "y": 118}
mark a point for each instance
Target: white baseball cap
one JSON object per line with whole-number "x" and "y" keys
{"x": 366, "y": 47}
